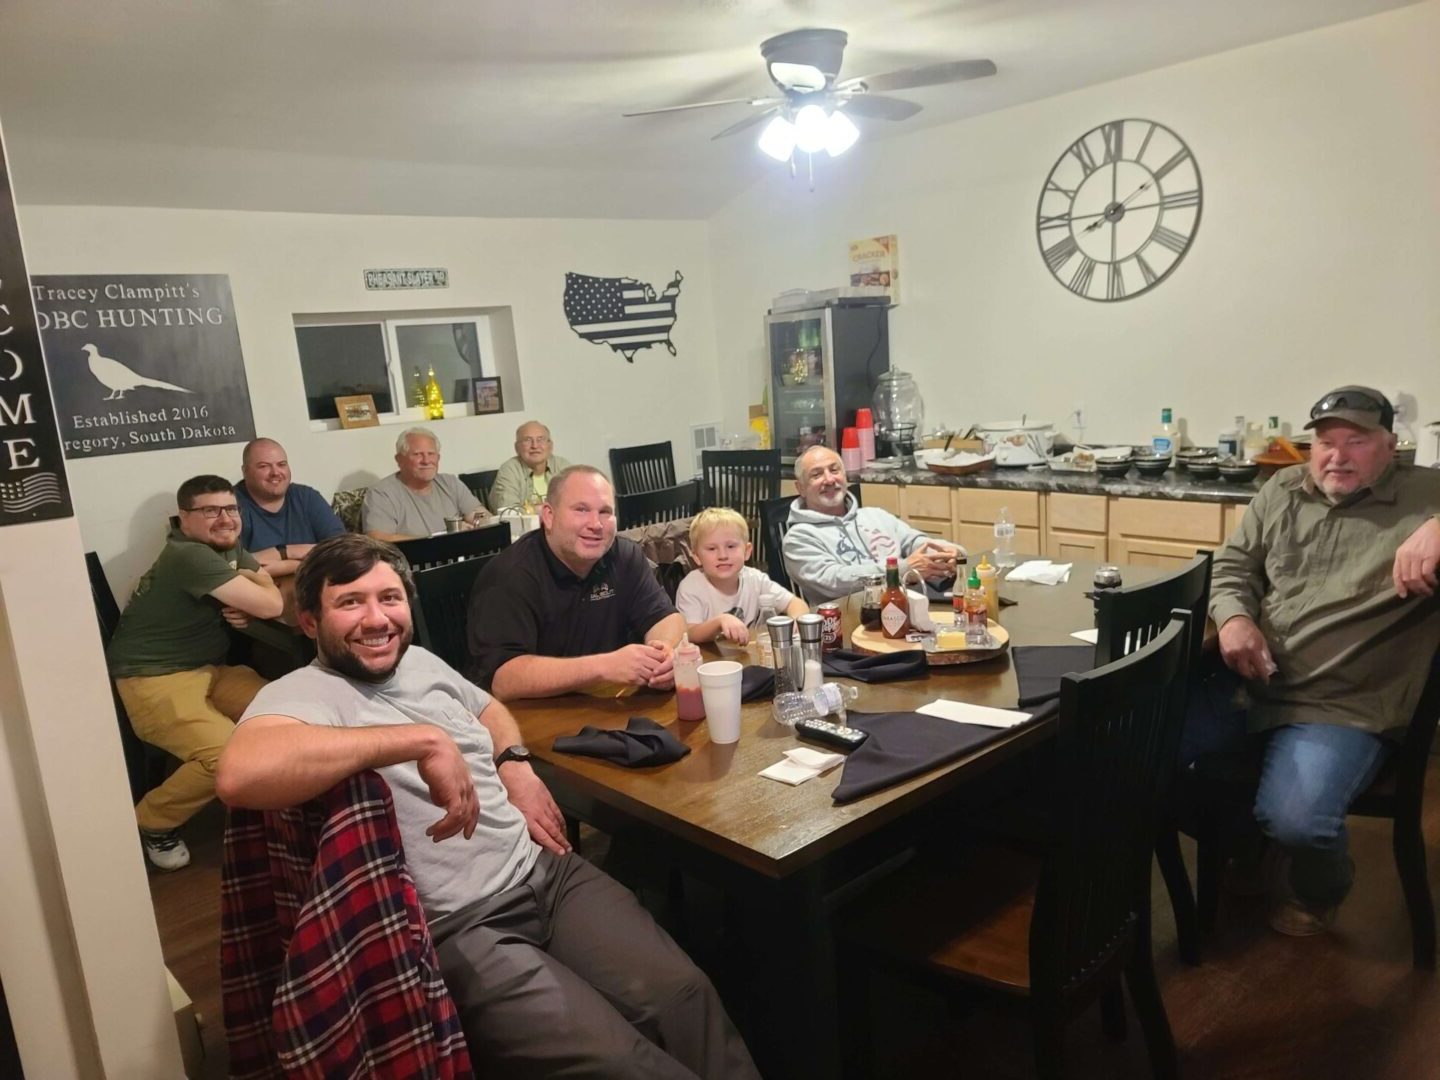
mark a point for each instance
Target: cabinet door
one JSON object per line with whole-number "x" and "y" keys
{"x": 1166, "y": 519}
{"x": 1066, "y": 546}
{"x": 1233, "y": 513}
{"x": 1076, "y": 513}
{"x": 940, "y": 528}
{"x": 1170, "y": 554}
{"x": 884, "y": 496}
{"x": 978, "y": 538}
{"x": 981, "y": 506}
{"x": 925, "y": 501}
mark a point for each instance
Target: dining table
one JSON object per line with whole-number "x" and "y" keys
{"x": 785, "y": 855}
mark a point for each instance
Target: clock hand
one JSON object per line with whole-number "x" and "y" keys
{"x": 1146, "y": 186}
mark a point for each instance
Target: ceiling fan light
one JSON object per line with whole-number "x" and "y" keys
{"x": 840, "y": 133}
{"x": 812, "y": 129}
{"x": 778, "y": 139}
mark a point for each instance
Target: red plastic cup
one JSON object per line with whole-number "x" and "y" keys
{"x": 863, "y": 418}
{"x": 850, "y": 439}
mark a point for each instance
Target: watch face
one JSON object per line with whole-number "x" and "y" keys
{"x": 1119, "y": 210}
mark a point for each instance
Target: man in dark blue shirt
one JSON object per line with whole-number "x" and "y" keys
{"x": 279, "y": 521}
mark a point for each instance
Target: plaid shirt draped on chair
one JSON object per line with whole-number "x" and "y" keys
{"x": 327, "y": 967}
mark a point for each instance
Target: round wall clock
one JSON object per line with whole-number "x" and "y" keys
{"x": 1119, "y": 210}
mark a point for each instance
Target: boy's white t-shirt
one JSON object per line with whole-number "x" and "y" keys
{"x": 699, "y": 601}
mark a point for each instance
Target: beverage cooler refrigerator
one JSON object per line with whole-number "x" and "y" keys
{"x": 823, "y": 366}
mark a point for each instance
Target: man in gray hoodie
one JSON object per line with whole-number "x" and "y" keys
{"x": 833, "y": 545}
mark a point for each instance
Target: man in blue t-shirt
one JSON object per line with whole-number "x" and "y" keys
{"x": 279, "y": 521}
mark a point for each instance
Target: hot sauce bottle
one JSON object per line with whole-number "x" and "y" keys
{"x": 894, "y": 604}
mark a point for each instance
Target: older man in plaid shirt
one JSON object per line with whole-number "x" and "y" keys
{"x": 555, "y": 968}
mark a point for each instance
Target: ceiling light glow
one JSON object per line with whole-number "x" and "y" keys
{"x": 812, "y": 129}
{"x": 778, "y": 139}
{"x": 840, "y": 133}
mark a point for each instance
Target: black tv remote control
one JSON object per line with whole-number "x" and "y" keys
{"x": 823, "y": 731}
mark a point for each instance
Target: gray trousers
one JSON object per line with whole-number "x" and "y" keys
{"x": 566, "y": 975}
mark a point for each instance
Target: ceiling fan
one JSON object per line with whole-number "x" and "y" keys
{"x": 813, "y": 110}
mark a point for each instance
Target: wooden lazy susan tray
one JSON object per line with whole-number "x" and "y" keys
{"x": 874, "y": 642}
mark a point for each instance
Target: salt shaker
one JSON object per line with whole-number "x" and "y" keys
{"x": 811, "y": 645}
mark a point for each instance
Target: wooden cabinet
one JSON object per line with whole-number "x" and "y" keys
{"x": 976, "y": 510}
{"x": 929, "y": 509}
{"x": 1063, "y": 526}
{"x": 885, "y": 496}
{"x": 1162, "y": 532}
{"x": 1075, "y": 527}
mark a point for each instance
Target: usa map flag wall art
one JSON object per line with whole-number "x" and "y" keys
{"x": 626, "y": 314}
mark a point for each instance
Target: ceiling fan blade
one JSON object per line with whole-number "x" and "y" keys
{"x": 877, "y": 107}
{"x": 948, "y": 71}
{"x": 749, "y": 122}
{"x": 705, "y": 105}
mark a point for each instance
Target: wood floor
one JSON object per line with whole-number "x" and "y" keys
{"x": 1262, "y": 1006}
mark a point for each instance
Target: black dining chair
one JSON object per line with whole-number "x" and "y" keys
{"x": 1053, "y": 929}
{"x": 428, "y": 551}
{"x": 480, "y": 483}
{"x": 653, "y": 507}
{"x": 1223, "y": 791}
{"x": 742, "y": 480}
{"x": 634, "y": 469}
{"x": 441, "y": 611}
{"x": 145, "y": 765}
{"x": 1128, "y": 618}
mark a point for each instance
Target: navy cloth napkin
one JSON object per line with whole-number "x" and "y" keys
{"x": 883, "y": 667}
{"x": 757, "y": 681}
{"x": 1039, "y": 668}
{"x": 906, "y": 744}
{"x": 643, "y": 742}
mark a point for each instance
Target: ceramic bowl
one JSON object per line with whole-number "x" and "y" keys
{"x": 1154, "y": 466}
{"x": 1204, "y": 468}
{"x": 1239, "y": 472}
{"x": 1113, "y": 468}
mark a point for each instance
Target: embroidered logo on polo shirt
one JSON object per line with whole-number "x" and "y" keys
{"x": 601, "y": 591}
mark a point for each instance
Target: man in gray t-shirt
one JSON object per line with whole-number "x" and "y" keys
{"x": 545, "y": 956}
{"x": 418, "y": 497}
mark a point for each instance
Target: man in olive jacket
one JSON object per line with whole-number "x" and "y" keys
{"x": 1328, "y": 625}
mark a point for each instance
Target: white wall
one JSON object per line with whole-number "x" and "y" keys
{"x": 1317, "y": 261}
{"x": 284, "y": 263}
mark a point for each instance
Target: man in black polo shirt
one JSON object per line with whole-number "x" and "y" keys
{"x": 571, "y": 606}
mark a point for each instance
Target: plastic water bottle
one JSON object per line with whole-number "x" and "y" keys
{"x": 790, "y": 708}
{"x": 1004, "y": 539}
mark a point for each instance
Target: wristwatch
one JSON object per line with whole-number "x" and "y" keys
{"x": 280, "y": 550}
{"x": 516, "y": 752}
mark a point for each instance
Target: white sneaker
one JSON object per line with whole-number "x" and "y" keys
{"x": 165, "y": 850}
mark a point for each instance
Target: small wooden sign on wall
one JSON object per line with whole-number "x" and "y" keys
{"x": 434, "y": 277}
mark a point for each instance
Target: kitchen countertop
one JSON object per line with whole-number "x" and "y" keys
{"x": 1173, "y": 485}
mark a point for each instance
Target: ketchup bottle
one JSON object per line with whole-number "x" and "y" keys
{"x": 689, "y": 705}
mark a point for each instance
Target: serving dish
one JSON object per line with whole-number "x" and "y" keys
{"x": 875, "y": 642}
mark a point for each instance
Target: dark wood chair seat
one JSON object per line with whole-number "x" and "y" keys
{"x": 967, "y": 917}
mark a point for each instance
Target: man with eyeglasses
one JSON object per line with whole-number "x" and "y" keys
{"x": 168, "y": 656}
{"x": 526, "y": 477}
{"x": 1328, "y": 625}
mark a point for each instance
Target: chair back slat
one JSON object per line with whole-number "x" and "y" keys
{"x": 480, "y": 483}
{"x": 774, "y": 521}
{"x": 430, "y": 551}
{"x": 1117, "y": 736}
{"x": 1133, "y": 616}
{"x": 652, "y": 507}
{"x": 642, "y": 468}
{"x": 742, "y": 480}
{"x": 442, "y": 608}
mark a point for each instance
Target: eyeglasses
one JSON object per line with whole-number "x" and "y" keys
{"x": 210, "y": 513}
{"x": 535, "y": 440}
{"x": 1352, "y": 399}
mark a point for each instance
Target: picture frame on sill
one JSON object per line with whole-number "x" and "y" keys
{"x": 357, "y": 411}
{"x": 486, "y": 396}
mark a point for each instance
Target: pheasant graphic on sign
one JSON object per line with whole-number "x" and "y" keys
{"x": 117, "y": 378}
{"x": 626, "y": 314}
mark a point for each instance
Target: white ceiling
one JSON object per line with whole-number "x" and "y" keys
{"x": 511, "y": 108}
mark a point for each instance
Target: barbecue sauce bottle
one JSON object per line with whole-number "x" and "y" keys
{"x": 894, "y": 604}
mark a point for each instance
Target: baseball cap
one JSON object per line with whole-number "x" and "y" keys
{"x": 1358, "y": 405}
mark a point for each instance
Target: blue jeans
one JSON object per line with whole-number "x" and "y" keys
{"x": 1310, "y": 775}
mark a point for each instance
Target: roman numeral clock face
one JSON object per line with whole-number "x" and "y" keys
{"x": 1119, "y": 210}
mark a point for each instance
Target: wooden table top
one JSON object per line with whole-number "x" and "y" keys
{"x": 714, "y": 798}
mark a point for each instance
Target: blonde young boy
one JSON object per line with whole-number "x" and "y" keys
{"x": 723, "y": 598}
